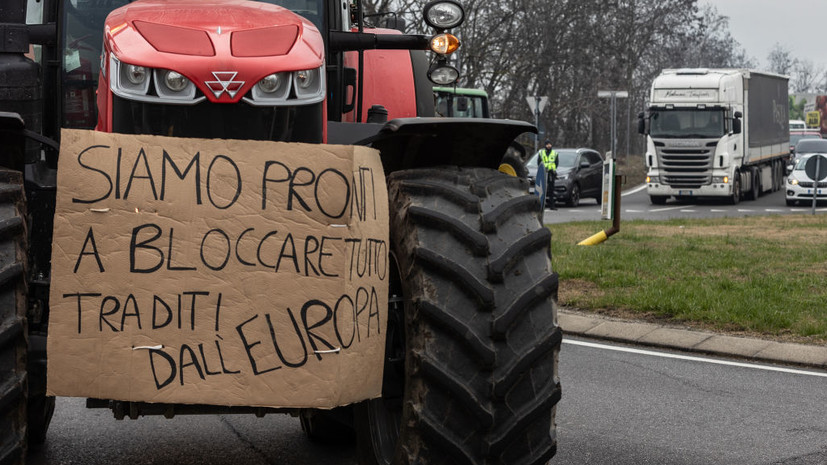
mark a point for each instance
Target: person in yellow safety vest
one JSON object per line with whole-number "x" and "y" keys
{"x": 549, "y": 158}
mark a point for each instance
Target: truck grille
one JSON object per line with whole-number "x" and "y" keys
{"x": 685, "y": 167}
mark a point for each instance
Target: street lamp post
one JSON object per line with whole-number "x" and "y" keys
{"x": 613, "y": 95}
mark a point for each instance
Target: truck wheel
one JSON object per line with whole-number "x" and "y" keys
{"x": 753, "y": 191}
{"x": 658, "y": 199}
{"x": 735, "y": 197}
{"x": 472, "y": 339}
{"x": 12, "y": 319}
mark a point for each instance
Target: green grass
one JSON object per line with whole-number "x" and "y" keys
{"x": 760, "y": 275}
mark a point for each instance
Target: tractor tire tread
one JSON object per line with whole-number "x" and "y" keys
{"x": 482, "y": 335}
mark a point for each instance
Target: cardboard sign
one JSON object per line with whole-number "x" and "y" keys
{"x": 218, "y": 272}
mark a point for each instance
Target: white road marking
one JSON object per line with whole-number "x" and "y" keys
{"x": 745, "y": 210}
{"x": 634, "y": 190}
{"x": 718, "y": 211}
{"x": 656, "y": 210}
{"x": 773, "y": 210}
{"x": 634, "y": 211}
{"x": 688, "y": 211}
{"x": 692, "y": 359}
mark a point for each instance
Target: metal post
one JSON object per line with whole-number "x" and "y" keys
{"x": 537, "y": 123}
{"x": 816, "y": 182}
{"x": 614, "y": 126}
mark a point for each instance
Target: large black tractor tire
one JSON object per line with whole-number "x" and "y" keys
{"x": 472, "y": 339}
{"x": 13, "y": 346}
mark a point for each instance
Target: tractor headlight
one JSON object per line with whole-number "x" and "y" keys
{"x": 128, "y": 79}
{"x": 309, "y": 84}
{"x": 443, "y": 75}
{"x": 443, "y": 14}
{"x": 136, "y": 74}
{"x": 270, "y": 84}
{"x": 173, "y": 87}
{"x": 272, "y": 89}
{"x": 306, "y": 78}
{"x": 144, "y": 84}
{"x": 175, "y": 81}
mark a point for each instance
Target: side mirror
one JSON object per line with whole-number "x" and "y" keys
{"x": 462, "y": 104}
{"x": 641, "y": 123}
{"x": 736, "y": 123}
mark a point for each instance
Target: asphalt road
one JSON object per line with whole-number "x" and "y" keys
{"x": 81, "y": 436}
{"x": 635, "y": 205}
{"x": 629, "y": 408}
{"x": 617, "y": 408}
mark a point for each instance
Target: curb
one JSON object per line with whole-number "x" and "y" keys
{"x": 576, "y": 323}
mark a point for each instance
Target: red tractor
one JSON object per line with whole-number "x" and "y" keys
{"x": 470, "y": 371}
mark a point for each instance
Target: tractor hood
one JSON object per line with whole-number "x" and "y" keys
{"x": 223, "y": 46}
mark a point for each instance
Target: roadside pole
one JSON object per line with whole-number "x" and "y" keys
{"x": 537, "y": 103}
{"x": 611, "y": 180}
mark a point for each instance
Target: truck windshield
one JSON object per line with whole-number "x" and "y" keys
{"x": 688, "y": 123}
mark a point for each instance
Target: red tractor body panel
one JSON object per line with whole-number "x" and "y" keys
{"x": 224, "y": 47}
{"x": 389, "y": 81}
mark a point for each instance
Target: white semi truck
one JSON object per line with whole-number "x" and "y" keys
{"x": 715, "y": 133}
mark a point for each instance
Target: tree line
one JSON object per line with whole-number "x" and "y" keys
{"x": 568, "y": 50}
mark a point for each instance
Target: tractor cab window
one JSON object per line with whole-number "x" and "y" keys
{"x": 81, "y": 42}
{"x": 460, "y": 106}
{"x": 312, "y": 10}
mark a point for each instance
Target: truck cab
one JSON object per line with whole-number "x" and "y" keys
{"x": 710, "y": 135}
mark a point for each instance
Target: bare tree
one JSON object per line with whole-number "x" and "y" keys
{"x": 781, "y": 60}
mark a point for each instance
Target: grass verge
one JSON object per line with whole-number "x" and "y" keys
{"x": 762, "y": 276}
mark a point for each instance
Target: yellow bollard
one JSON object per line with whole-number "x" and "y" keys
{"x": 603, "y": 235}
{"x": 595, "y": 239}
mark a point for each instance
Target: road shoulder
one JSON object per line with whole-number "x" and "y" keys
{"x": 576, "y": 323}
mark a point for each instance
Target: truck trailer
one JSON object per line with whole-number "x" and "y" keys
{"x": 715, "y": 133}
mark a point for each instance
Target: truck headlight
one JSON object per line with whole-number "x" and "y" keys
{"x": 792, "y": 181}
{"x": 720, "y": 179}
{"x": 652, "y": 179}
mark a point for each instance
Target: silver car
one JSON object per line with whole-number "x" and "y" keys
{"x": 800, "y": 186}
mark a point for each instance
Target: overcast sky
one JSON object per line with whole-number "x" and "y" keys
{"x": 757, "y": 25}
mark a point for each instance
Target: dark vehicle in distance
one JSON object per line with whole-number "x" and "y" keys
{"x": 795, "y": 138}
{"x": 579, "y": 175}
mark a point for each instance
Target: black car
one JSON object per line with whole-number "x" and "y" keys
{"x": 579, "y": 175}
